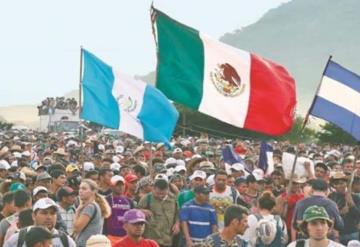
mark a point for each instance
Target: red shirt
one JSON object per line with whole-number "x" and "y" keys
{"x": 128, "y": 242}
{"x": 293, "y": 199}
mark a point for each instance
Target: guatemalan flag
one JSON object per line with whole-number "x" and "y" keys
{"x": 266, "y": 162}
{"x": 117, "y": 101}
{"x": 338, "y": 99}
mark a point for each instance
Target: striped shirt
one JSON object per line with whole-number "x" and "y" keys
{"x": 200, "y": 219}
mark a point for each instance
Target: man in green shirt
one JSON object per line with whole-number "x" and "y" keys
{"x": 198, "y": 178}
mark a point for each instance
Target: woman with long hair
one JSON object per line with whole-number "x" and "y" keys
{"x": 90, "y": 215}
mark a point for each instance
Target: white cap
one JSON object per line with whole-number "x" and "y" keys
{"x": 101, "y": 147}
{"x": 17, "y": 155}
{"x": 161, "y": 176}
{"x": 38, "y": 189}
{"x": 196, "y": 156}
{"x": 180, "y": 168}
{"x": 88, "y": 166}
{"x": 115, "y": 166}
{"x": 71, "y": 142}
{"x": 117, "y": 178}
{"x": 180, "y": 162}
{"x": 258, "y": 174}
{"x": 238, "y": 167}
{"x": 44, "y": 203}
{"x": 198, "y": 174}
{"x": 170, "y": 161}
{"x": 4, "y": 165}
{"x": 26, "y": 153}
{"x": 177, "y": 150}
{"x": 210, "y": 181}
{"x": 14, "y": 163}
{"x": 169, "y": 172}
{"x": 115, "y": 159}
{"x": 119, "y": 149}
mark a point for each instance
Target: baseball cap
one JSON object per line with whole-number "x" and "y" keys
{"x": 170, "y": 162}
{"x": 43, "y": 176}
{"x": 238, "y": 167}
{"x": 161, "y": 177}
{"x": 180, "y": 168}
{"x": 131, "y": 178}
{"x": 88, "y": 166}
{"x": 4, "y": 165}
{"x": 133, "y": 216}
{"x": 198, "y": 174}
{"x": 39, "y": 189}
{"x": 177, "y": 150}
{"x": 37, "y": 234}
{"x": 202, "y": 189}
{"x": 115, "y": 166}
{"x": 17, "y": 186}
{"x": 117, "y": 178}
{"x": 65, "y": 191}
{"x": 258, "y": 174}
{"x": 98, "y": 241}
{"x": 71, "y": 168}
{"x": 44, "y": 203}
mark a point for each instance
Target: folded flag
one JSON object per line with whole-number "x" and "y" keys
{"x": 229, "y": 84}
{"x": 118, "y": 101}
{"x": 266, "y": 162}
{"x": 338, "y": 97}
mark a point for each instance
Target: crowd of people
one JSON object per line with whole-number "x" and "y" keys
{"x": 50, "y": 104}
{"x": 57, "y": 190}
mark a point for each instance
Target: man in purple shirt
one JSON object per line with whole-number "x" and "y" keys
{"x": 119, "y": 204}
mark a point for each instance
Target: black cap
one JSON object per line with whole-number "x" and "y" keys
{"x": 65, "y": 191}
{"x": 202, "y": 189}
{"x": 37, "y": 234}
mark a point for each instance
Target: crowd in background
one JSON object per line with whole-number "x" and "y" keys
{"x": 120, "y": 191}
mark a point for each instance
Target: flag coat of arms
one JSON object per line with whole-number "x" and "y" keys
{"x": 338, "y": 97}
{"x": 229, "y": 84}
{"x": 118, "y": 101}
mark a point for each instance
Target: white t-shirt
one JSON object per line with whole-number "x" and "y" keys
{"x": 250, "y": 233}
{"x": 331, "y": 244}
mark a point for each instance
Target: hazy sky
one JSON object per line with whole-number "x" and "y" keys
{"x": 40, "y": 39}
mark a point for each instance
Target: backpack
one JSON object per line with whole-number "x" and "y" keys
{"x": 21, "y": 239}
{"x": 269, "y": 232}
{"x": 217, "y": 241}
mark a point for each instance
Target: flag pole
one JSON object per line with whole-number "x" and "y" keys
{"x": 81, "y": 129}
{"x": 316, "y": 93}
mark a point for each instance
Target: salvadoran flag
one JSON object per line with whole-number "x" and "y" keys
{"x": 229, "y": 84}
{"x": 266, "y": 162}
{"x": 118, "y": 101}
{"x": 338, "y": 97}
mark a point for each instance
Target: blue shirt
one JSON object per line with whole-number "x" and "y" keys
{"x": 200, "y": 219}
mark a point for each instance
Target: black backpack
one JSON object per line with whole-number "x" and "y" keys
{"x": 21, "y": 239}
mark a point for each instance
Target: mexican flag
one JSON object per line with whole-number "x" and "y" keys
{"x": 232, "y": 85}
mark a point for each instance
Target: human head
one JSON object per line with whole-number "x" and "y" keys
{"x": 105, "y": 175}
{"x": 321, "y": 170}
{"x": 58, "y": 177}
{"x": 161, "y": 189}
{"x": 348, "y": 166}
{"x": 93, "y": 175}
{"x": 66, "y": 195}
{"x": 45, "y": 213}
{"x": 88, "y": 190}
{"x": 98, "y": 241}
{"x": 241, "y": 185}
{"x": 134, "y": 223}
{"x": 202, "y": 194}
{"x": 235, "y": 217}
{"x": 319, "y": 185}
{"x": 267, "y": 201}
{"x": 44, "y": 179}
{"x": 338, "y": 181}
{"x": 25, "y": 218}
{"x": 316, "y": 222}
{"x": 22, "y": 199}
{"x": 38, "y": 236}
{"x": 118, "y": 185}
{"x": 220, "y": 180}
{"x": 198, "y": 178}
{"x": 8, "y": 203}
{"x": 252, "y": 183}
{"x": 131, "y": 180}
{"x": 40, "y": 192}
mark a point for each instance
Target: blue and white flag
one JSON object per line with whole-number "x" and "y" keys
{"x": 266, "y": 162}
{"x": 118, "y": 101}
{"x": 338, "y": 99}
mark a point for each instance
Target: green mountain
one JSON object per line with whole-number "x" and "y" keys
{"x": 301, "y": 35}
